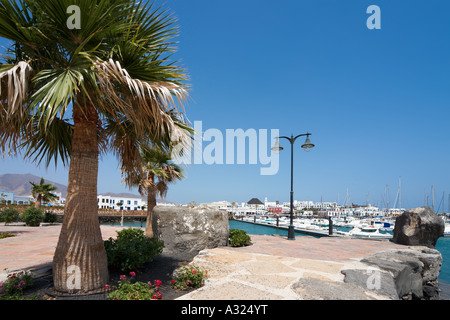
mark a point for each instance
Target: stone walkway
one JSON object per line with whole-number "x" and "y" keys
{"x": 280, "y": 269}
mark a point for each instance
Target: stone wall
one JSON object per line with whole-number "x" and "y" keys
{"x": 188, "y": 230}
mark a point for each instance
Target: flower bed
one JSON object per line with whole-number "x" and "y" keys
{"x": 4, "y": 235}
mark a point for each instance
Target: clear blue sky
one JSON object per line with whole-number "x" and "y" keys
{"x": 376, "y": 101}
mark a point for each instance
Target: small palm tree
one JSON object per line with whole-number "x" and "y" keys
{"x": 233, "y": 205}
{"x": 42, "y": 192}
{"x": 157, "y": 171}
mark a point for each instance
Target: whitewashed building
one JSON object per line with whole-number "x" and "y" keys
{"x": 121, "y": 203}
{"x": 219, "y": 205}
{"x": 9, "y": 197}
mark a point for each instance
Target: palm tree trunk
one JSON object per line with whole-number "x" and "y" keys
{"x": 38, "y": 202}
{"x": 80, "y": 263}
{"x": 151, "y": 203}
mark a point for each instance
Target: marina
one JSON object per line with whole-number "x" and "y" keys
{"x": 354, "y": 228}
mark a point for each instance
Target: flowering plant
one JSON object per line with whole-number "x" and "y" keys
{"x": 13, "y": 287}
{"x": 188, "y": 276}
{"x": 6, "y": 235}
{"x": 127, "y": 290}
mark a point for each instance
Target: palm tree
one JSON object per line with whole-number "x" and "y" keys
{"x": 43, "y": 192}
{"x": 157, "y": 171}
{"x": 233, "y": 205}
{"x": 63, "y": 89}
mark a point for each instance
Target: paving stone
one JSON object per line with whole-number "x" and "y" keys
{"x": 318, "y": 265}
{"x": 232, "y": 291}
{"x": 278, "y": 282}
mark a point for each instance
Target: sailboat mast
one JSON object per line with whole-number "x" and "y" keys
{"x": 387, "y": 198}
{"x": 432, "y": 197}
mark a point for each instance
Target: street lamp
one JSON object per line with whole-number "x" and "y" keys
{"x": 277, "y": 148}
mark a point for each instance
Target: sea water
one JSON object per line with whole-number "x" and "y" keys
{"x": 443, "y": 246}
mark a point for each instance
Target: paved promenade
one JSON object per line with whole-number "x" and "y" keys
{"x": 272, "y": 268}
{"x": 33, "y": 248}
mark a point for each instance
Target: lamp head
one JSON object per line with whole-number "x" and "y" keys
{"x": 277, "y": 148}
{"x": 308, "y": 145}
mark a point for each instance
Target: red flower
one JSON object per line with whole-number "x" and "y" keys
{"x": 158, "y": 283}
{"x": 193, "y": 271}
{"x": 172, "y": 282}
{"x": 122, "y": 277}
{"x": 157, "y": 296}
{"x": 132, "y": 273}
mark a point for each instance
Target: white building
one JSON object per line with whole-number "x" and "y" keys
{"x": 368, "y": 211}
{"x": 268, "y": 204}
{"x": 219, "y": 205}
{"x": 8, "y": 197}
{"x": 126, "y": 203}
{"x": 299, "y": 205}
{"x": 60, "y": 200}
{"x": 325, "y": 205}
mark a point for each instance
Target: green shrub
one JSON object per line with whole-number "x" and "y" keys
{"x": 189, "y": 276}
{"x": 4, "y": 235}
{"x": 13, "y": 287}
{"x": 33, "y": 217}
{"x": 132, "y": 249}
{"x": 134, "y": 291}
{"x": 50, "y": 217}
{"x": 239, "y": 238}
{"x": 9, "y": 215}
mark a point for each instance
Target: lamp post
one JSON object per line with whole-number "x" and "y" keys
{"x": 306, "y": 146}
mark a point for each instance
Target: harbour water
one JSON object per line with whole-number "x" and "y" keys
{"x": 443, "y": 245}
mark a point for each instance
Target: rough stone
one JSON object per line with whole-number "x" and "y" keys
{"x": 418, "y": 227}
{"x": 372, "y": 279}
{"x": 190, "y": 229}
{"x": 316, "y": 289}
{"x": 414, "y": 270}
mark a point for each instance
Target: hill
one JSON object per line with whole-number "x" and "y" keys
{"x": 20, "y": 184}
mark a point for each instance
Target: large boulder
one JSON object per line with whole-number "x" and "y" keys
{"x": 410, "y": 272}
{"x": 418, "y": 227}
{"x": 190, "y": 229}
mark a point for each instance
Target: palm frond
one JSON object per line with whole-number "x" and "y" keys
{"x": 14, "y": 83}
{"x": 145, "y": 104}
{"x": 49, "y": 143}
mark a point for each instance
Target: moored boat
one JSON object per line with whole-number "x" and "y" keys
{"x": 447, "y": 230}
{"x": 371, "y": 232}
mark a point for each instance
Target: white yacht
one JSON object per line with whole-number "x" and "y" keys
{"x": 447, "y": 230}
{"x": 371, "y": 231}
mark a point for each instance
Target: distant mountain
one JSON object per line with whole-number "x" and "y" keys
{"x": 20, "y": 184}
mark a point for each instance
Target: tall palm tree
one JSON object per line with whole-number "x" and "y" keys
{"x": 43, "y": 192}
{"x": 62, "y": 88}
{"x": 157, "y": 171}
